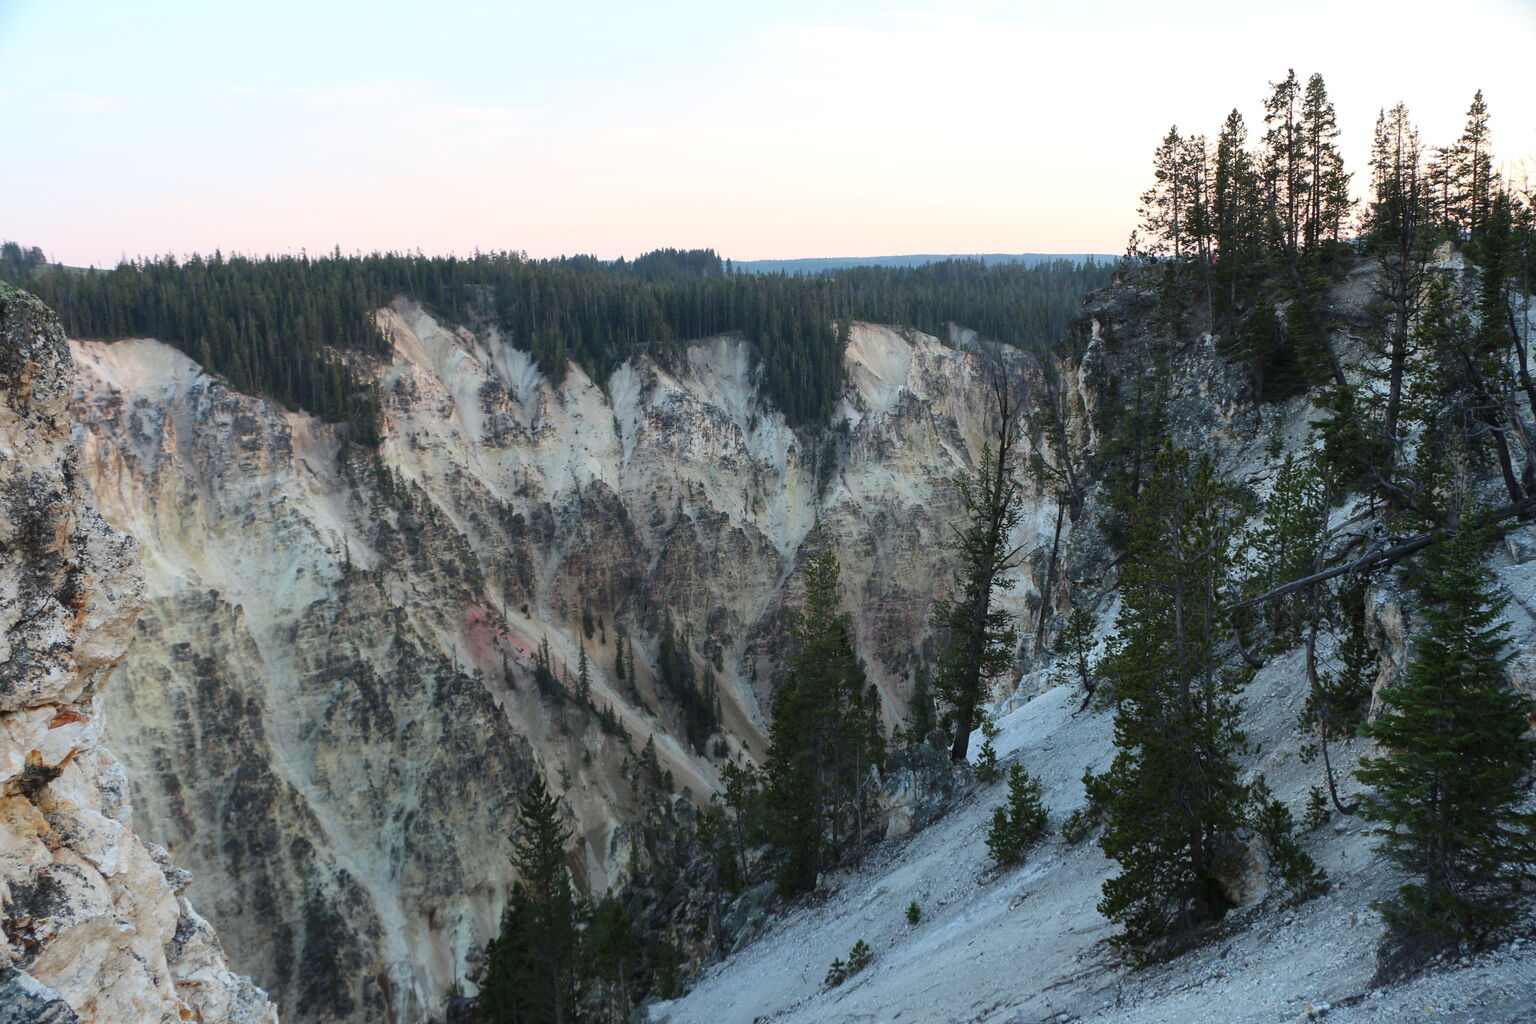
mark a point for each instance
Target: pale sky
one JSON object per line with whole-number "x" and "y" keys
{"x": 780, "y": 130}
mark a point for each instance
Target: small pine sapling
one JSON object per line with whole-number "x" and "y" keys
{"x": 1081, "y": 822}
{"x": 1271, "y": 820}
{"x": 859, "y": 957}
{"x": 914, "y": 913}
{"x": 1318, "y": 811}
{"x": 987, "y": 769}
{"x": 1074, "y": 644}
{"x": 1016, "y": 826}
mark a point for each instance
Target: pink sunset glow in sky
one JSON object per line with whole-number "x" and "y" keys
{"x": 792, "y": 130}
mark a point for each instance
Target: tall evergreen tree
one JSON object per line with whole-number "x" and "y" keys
{"x": 921, "y": 718}
{"x": 825, "y": 734}
{"x": 1400, "y": 237}
{"x": 1260, "y": 340}
{"x": 1199, "y": 221}
{"x": 1501, "y": 344}
{"x": 1472, "y": 185}
{"x": 583, "y": 675}
{"x": 616, "y": 957}
{"x": 1132, "y": 428}
{"x": 1287, "y": 171}
{"x": 1237, "y": 218}
{"x": 1165, "y": 206}
{"x": 695, "y": 695}
{"x": 1287, "y": 546}
{"x": 1455, "y": 756}
{"x": 620, "y": 635}
{"x": 532, "y": 970}
{"x": 1172, "y": 795}
{"x": 1074, "y": 645}
{"x": 1327, "y": 196}
{"x": 980, "y": 636}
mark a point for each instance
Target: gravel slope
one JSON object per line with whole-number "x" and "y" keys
{"x": 1026, "y": 944}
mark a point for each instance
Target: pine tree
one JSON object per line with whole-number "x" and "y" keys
{"x": 1074, "y": 645}
{"x": 1286, "y": 168}
{"x": 1131, "y": 431}
{"x": 1327, "y": 198}
{"x": 544, "y": 672}
{"x": 532, "y": 970}
{"x": 1287, "y": 546}
{"x": 1236, "y": 215}
{"x": 744, "y": 807}
{"x": 1165, "y": 206}
{"x": 921, "y": 719}
{"x": 1472, "y": 169}
{"x": 1019, "y": 824}
{"x": 1500, "y": 344}
{"x": 1199, "y": 221}
{"x": 1454, "y": 759}
{"x": 987, "y": 768}
{"x": 616, "y": 957}
{"x": 980, "y": 637}
{"x": 1439, "y": 399}
{"x": 1400, "y": 236}
{"x": 1172, "y": 796}
{"x": 583, "y": 676}
{"x": 825, "y": 734}
{"x": 650, "y": 763}
{"x": 1261, "y": 341}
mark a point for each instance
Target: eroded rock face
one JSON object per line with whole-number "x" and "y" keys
{"x": 94, "y": 923}
{"x": 331, "y": 710}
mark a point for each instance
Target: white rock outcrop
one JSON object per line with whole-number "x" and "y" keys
{"x": 94, "y": 923}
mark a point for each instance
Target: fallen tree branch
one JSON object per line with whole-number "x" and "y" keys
{"x": 1386, "y": 556}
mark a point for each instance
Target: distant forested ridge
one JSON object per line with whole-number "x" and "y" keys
{"x": 282, "y": 326}
{"x": 827, "y": 264}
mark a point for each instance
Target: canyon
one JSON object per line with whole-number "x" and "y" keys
{"x": 330, "y": 709}
{"x": 330, "y": 687}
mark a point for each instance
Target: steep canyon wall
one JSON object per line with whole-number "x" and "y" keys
{"x": 331, "y": 710}
{"x": 95, "y": 924}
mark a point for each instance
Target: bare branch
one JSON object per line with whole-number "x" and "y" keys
{"x": 1384, "y": 557}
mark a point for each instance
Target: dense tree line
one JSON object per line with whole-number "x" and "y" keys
{"x": 276, "y": 327}
{"x": 282, "y": 326}
{"x": 1256, "y": 231}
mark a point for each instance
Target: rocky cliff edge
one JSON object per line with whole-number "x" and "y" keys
{"x": 93, "y": 923}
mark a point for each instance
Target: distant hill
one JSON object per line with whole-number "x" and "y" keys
{"x": 825, "y": 264}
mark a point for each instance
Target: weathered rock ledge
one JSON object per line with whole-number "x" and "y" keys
{"x": 93, "y": 923}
